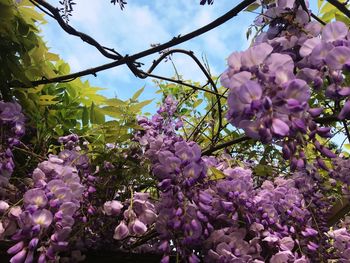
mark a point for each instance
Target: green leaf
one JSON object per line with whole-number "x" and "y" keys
{"x": 36, "y": 89}
{"x": 347, "y": 147}
{"x": 327, "y": 8}
{"x": 197, "y": 103}
{"x": 342, "y": 18}
{"x": 64, "y": 68}
{"x": 85, "y": 116}
{"x": 92, "y": 113}
{"x": 137, "y": 107}
{"x": 31, "y": 13}
{"x": 114, "y": 112}
{"x": 96, "y": 115}
{"x": 47, "y": 100}
{"x": 261, "y": 170}
{"x": 115, "y": 102}
{"x": 137, "y": 94}
{"x": 252, "y": 7}
{"x": 319, "y": 4}
{"x": 52, "y": 57}
{"x": 215, "y": 174}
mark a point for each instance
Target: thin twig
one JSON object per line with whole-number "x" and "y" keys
{"x": 327, "y": 119}
{"x": 202, "y": 68}
{"x": 318, "y": 19}
{"x": 202, "y": 120}
{"x": 72, "y": 31}
{"x": 226, "y": 144}
{"x": 180, "y": 82}
{"x": 346, "y": 130}
{"x": 42, "y": 9}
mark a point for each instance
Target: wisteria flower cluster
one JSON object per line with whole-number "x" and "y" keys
{"x": 340, "y": 239}
{"x": 272, "y": 82}
{"x": 44, "y": 223}
{"x": 12, "y": 129}
{"x": 225, "y": 218}
{"x": 137, "y": 218}
{"x": 202, "y": 208}
{"x": 206, "y": 209}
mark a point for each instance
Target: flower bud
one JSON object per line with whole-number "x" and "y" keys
{"x": 121, "y": 231}
{"x": 3, "y": 206}
{"x": 138, "y": 227}
{"x": 16, "y": 248}
{"x": 19, "y": 257}
{"x": 112, "y": 207}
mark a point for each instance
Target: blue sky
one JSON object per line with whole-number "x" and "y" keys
{"x": 139, "y": 25}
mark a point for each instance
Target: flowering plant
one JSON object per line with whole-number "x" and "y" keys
{"x": 160, "y": 186}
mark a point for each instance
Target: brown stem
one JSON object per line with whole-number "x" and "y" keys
{"x": 224, "y": 145}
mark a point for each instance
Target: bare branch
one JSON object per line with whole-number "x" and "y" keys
{"x": 183, "y": 83}
{"x": 226, "y": 144}
{"x": 72, "y": 31}
{"x": 203, "y": 119}
{"x": 346, "y": 130}
{"x": 338, "y": 211}
{"x": 130, "y": 59}
{"x": 327, "y": 119}
{"x": 318, "y": 19}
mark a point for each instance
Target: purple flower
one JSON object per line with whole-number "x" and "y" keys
{"x": 192, "y": 171}
{"x": 297, "y": 89}
{"x": 35, "y": 197}
{"x": 319, "y": 53}
{"x": 148, "y": 217}
{"x": 16, "y": 248}
{"x": 255, "y": 55}
{"x": 11, "y": 112}
{"x": 334, "y": 31}
{"x": 112, "y": 207}
{"x": 19, "y": 257}
{"x": 249, "y": 92}
{"x": 186, "y": 152}
{"x": 309, "y": 232}
{"x": 68, "y": 209}
{"x": 287, "y": 243}
{"x": 345, "y": 111}
{"x": 121, "y": 231}
{"x": 279, "y": 127}
{"x": 276, "y": 62}
{"x": 3, "y": 206}
{"x": 281, "y": 257}
{"x": 43, "y": 218}
{"x": 234, "y": 60}
{"x": 15, "y": 211}
{"x": 236, "y": 80}
{"x": 338, "y": 57}
{"x": 137, "y": 227}
{"x": 308, "y": 46}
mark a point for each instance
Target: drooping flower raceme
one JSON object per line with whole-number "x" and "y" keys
{"x": 272, "y": 82}
{"x": 50, "y": 209}
{"x": 222, "y": 219}
{"x": 12, "y": 129}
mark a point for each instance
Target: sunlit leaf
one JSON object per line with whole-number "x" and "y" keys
{"x": 45, "y": 100}
{"x": 137, "y": 94}
{"x": 215, "y": 174}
